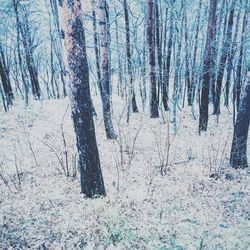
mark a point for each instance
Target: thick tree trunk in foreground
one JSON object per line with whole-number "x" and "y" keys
{"x": 154, "y": 113}
{"x": 238, "y": 157}
{"x": 203, "y": 120}
{"x": 91, "y": 176}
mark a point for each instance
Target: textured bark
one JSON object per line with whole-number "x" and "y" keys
{"x": 20, "y": 60}
{"x": 238, "y": 83}
{"x": 224, "y": 56}
{"x": 161, "y": 84}
{"x": 167, "y": 62}
{"x": 231, "y": 59}
{"x": 96, "y": 45}
{"x": 203, "y": 120}
{"x": 120, "y": 74}
{"x": 28, "y": 47}
{"x": 187, "y": 62}
{"x": 238, "y": 157}
{"x": 105, "y": 82}
{"x": 131, "y": 95}
{"x": 194, "y": 74}
{"x": 70, "y": 13}
{"x": 58, "y": 41}
{"x": 153, "y": 103}
{"x": 5, "y": 78}
{"x": 215, "y": 48}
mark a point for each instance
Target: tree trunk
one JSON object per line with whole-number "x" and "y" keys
{"x": 120, "y": 75}
{"x": 20, "y": 61}
{"x": 153, "y": 105}
{"x": 215, "y": 48}
{"x": 169, "y": 54}
{"x": 5, "y": 78}
{"x": 161, "y": 84}
{"x": 187, "y": 62}
{"x": 230, "y": 59}
{"x": 238, "y": 157}
{"x": 105, "y": 82}
{"x": 222, "y": 64}
{"x": 70, "y": 13}
{"x": 203, "y": 120}
{"x": 194, "y": 70}
{"x": 238, "y": 83}
{"x": 131, "y": 95}
{"x": 59, "y": 43}
{"x": 28, "y": 47}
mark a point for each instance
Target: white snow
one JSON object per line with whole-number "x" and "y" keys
{"x": 183, "y": 209}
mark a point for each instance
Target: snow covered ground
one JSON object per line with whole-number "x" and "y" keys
{"x": 164, "y": 191}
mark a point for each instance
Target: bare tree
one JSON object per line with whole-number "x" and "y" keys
{"x": 105, "y": 82}
{"x": 154, "y": 113}
{"x": 238, "y": 157}
{"x": 203, "y": 121}
{"x": 70, "y": 13}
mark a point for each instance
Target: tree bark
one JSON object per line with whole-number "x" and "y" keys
{"x": 5, "y": 78}
{"x": 105, "y": 82}
{"x": 238, "y": 157}
{"x": 203, "y": 120}
{"x": 238, "y": 83}
{"x": 224, "y": 56}
{"x": 167, "y": 63}
{"x": 131, "y": 95}
{"x": 70, "y": 13}
{"x": 153, "y": 105}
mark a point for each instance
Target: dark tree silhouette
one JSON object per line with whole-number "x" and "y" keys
{"x": 70, "y": 13}
{"x": 203, "y": 121}
{"x": 151, "y": 48}
{"x": 105, "y": 65}
{"x": 238, "y": 157}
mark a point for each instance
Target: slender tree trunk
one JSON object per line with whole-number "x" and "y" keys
{"x": 187, "y": 62}
{"x": 5, "y": 78}
{"x": 238, "y": 157}
{"x": 27, "y": 43}
{"x": 153, "y": 105}
{"x": 143, "y": 68}
{"x": 164, "y": 73}
{"x": 59, "y": 44}
{"x": 231, "y": 59}
{"x": 238, "y": 83}
{"x": 227, "y": 43}
{"x": 52, "y": 68}
{"x": 203, "y": 120}
{"x": 161, "y": 84}
{"x": 194, "y": 70}
{"x": 96, "y": 45}
{"x": 70, "y": 13}
{"x": 169, "y": 54}
{"x": 18, "y": 40}
{"x": 120, "y": 83}
{"x": 3, "y": 99}
{"x": 131, "y": 95}
{"x": 215, "y": 48}
{"x": 105, "y": 82}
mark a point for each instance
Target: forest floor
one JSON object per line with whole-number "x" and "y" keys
{"x": 164, "y": 191}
